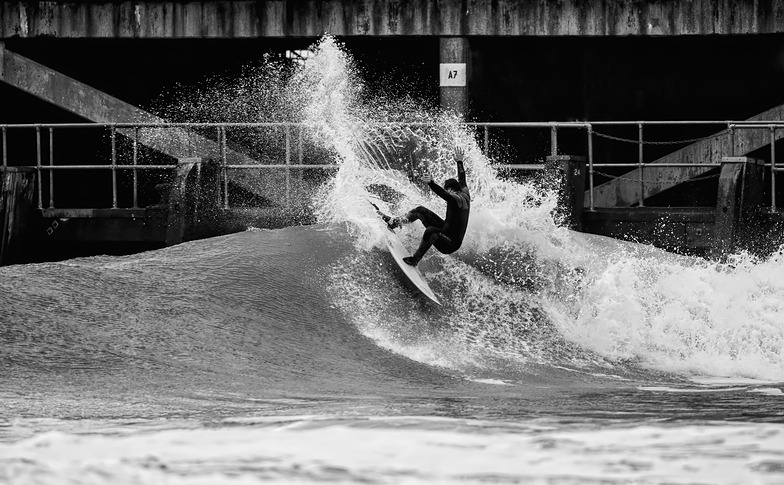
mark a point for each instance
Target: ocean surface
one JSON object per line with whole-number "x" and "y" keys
{"x": 291, "y": 356}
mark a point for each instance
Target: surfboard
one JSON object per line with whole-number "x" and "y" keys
{"x": 398, "y": 252}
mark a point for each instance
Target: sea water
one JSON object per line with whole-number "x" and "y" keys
{"x": 300, "y": 355}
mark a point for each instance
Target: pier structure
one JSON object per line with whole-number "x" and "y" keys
{"x": 546, "y": 78}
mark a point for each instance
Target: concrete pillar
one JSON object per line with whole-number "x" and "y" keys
{"x": 193, "y": 200}
{"x": 454, "y": 72}
{"x": 181, "y": 204}
{"x": 16, "y": 203}
{"x": 570, "y": 176}
{"x": 738, "y": 203}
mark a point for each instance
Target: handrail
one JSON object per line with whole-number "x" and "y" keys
{"x": 483, "y": 130}
{"x": 490, "y": 124}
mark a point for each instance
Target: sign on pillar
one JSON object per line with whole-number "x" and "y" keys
{"x": 453, "y": 76}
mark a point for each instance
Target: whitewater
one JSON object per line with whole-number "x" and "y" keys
{"x": 301, "y": 355}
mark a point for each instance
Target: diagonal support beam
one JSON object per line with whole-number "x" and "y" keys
{"x": 624, "y": 192}
{"x": 89, "y": 103}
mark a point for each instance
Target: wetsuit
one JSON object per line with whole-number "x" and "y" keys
{"x": 445, "y": 235}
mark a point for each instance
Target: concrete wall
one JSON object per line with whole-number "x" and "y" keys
{"x": 281, "y": 18}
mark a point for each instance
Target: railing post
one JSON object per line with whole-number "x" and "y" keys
{"x": 642, "y": 167}
{"x": 487, "y": 142}
{"x": 135, "y": 172}
{"x": 39, "y": 167}
{"x": 5, "y": 148}
{"x": 114, "y": 166}
{"x": 190, "y": 140}
{"x": 773, "y": 169}
{"x": 554, "y": 141}
{"x": 300, "y": 173}
{"x": 224, "y": 171}
{"x": 288, "y": 163}
{"x": 590, "y": 167}
{"x": 299, "y": 144}
{"x": 51, "y": 172}
{"x": 732, "y": 140}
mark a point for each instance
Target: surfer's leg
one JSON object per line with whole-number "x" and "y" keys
{"x": 428, "y": 217}
{"x": 431, "y": 235}
{"x": 392, "y": 222}
{"x": 445, "y": 245}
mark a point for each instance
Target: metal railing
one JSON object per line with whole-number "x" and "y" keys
{"x": 196, "y": 145}
{"x": 720, "y": 128}
{"x": 730, "y": 128}
{"x": 210, "y": 140}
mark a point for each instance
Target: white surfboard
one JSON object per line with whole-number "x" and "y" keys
{"x": 399, "y": 252}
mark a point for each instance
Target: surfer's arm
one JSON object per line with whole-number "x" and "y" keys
{"x": 440, "y": 191}
{"x": 453, "y": 197}
{"x": 461, "y": 176}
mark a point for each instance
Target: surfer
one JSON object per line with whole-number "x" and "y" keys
{"x": 445, "y": 235}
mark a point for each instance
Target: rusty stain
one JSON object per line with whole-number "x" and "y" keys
{"x": 506, "y": 17}
{"x": 362, "y": 20}
{"x": 22, "y": 27}
{"x": 393, "y": 16}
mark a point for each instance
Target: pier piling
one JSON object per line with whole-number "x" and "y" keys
{"x": 570, "y": 170}
{"x": 737, "y": 204}
{"x": 16, "y": 202}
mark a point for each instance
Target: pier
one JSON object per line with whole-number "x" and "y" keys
{"x": 90, "y": 165}
{"x": 736, "y": 206}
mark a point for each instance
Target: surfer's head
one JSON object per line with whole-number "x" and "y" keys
{"x": 452, "y": 184}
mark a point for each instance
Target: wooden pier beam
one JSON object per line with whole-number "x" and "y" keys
{"x": 16, "y": 202}
{"x": 738, "y": 204}
{"x": 570, "y": 177}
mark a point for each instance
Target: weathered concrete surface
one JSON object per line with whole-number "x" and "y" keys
{"x": 624, "y": 192}
{"x": 312, "y": 18}
{"x": 66, "y": 92}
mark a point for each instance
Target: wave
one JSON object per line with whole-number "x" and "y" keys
{"x": 301, "y": 311}
{"x": 523, "y": 289}
{"x": 308, "y": 308}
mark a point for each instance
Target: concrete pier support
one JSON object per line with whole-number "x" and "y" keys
{"x": 454, "y": 71}
{"x": 180, "y": 203}
{"x": 570, "y": 177}
{"x": 193, "y": 199}
{"x": 16, "y": 203}
{"x": 738, "y": 203}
